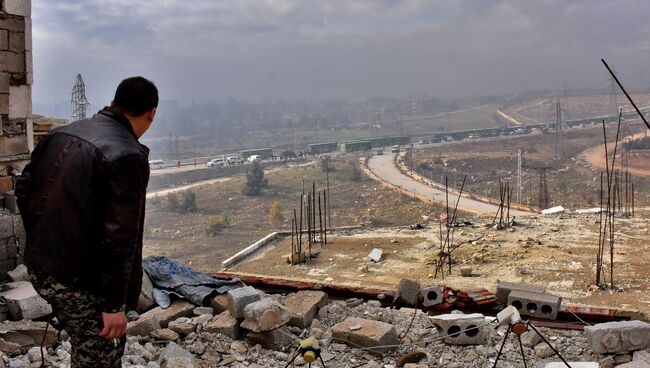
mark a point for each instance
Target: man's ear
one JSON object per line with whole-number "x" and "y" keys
{"x": 112, "y": 104}
{"x": 151, "y": 114}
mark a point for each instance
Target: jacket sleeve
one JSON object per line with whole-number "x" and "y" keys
{"x": 127, "y": 180}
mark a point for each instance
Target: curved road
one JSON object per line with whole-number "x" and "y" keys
{"x": 383, "y": 166}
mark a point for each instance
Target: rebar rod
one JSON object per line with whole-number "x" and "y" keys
{"x": 320, "y": 220}
{"x": 626, "y": 94}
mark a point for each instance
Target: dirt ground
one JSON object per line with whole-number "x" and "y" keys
{"x": 557, "y": 252}
{"x": 638, "y": 162}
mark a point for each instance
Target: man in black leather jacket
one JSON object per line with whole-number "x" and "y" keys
{"x": 82, "y": 200}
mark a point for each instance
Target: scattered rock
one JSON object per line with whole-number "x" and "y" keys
{"x": 407, "y": 291}
{"x": 19, "y": 273}
{"x": 23, "y": 302}
{"x": 304, "y": 306}
{"x": 371, "y": 333}
{"x": 239, "y": 298}
{"x": 265, "y": 315}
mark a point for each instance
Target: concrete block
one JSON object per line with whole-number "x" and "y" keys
{"x": 375, "y": 255}
{"x": 12, "y": 62}
{"x": 462, "y": 329}
{"x": 28, "y": 33}
{"x": 504, "y": 289}
{"x": 19, "y": 273}
{"x": 407, "y": 291}
{"x": 158, "y": 318}
{"x": 26, "y": 334}
{"x": 619, "y": 337}
{"x": 239, "y": 298}
{"x": 539, "y": 305}
{"x": 4, "y": 85}
{"x": 432, "y": 295}
{"x": 17, "y": 42}
{"x": 573, "y": 365}
{"x": 144, "y": 325}
{"x": 4, "y": 40}
{"x": 23, "y": 301}
{"x": 145, "y": 300}
{"x": 265, "y": 315}
{"x": 20, "y": 102}
{"x": 224, "y": 324}
{"x": 365, "y": 333}
{"x": 277, "y": 339}
{"x": 303, "y": 306}
{"x": 22, "y": 8}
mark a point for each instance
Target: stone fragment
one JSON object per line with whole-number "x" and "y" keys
{"x": 10, "y": 348}
{"x": 277, "y": 339}
{"x": 181, "y": 363}
{"x": 145, "y": 300}
{"x": 173, "y": 350}
{"x": 224, "y": 324}
{"x": 622, "y": 358}
{"x": 542, "y": 350}
{"x": 20, "y": 102}
{"x": 461, "y": 329}
{"x": 540, "y": 305}
{"x": 375, "y": 255}
{"x": 642, "y": 356}
{"x": 183, "y": 326}
{"x": 619, "y": 337}
{"x": 573, "y": 365}
{"x": 530, "y": 339}
{"x": 303, "y": 307}
{"x": 199, "y": 311}
{"x": 504, "y": 289}
{"x": 265, "y": 315}
{"x": 179, "y": 308}
{"x": 371, "y": 334}
{"x": 407, "y": 291}
{"x": 25, "y": 334}
{"x": 412, "y": 357}
{"x": 143, "y": 326}
{"x": 219, "y": 303}
{"x": 165, "y": 334}
{"x": 239, "y": 298}
{"x": 19, "y": 273}
{"x": 23, "y": 302}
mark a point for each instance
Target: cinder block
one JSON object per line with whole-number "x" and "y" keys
{"x": 4, "y": 39}
{"x": 504, "y": 288}
{"x": 461, "y": 329}
{"x": 539, "y": 305}
{"x": 20, "y": 102}
{"x": 17, "y": 42}
{"x": 18, "y": 7}
{"x": 239, "y": 298}
{"x": 619, "y": 337}
{"x": 12, "y": 62}
{"x": 13, "y": 145}
{"x": 431, "y": 295}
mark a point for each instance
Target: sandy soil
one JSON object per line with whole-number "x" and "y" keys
{"x": 595, "y": 156}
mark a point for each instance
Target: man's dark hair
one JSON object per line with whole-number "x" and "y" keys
{"x": 136, "y": 95}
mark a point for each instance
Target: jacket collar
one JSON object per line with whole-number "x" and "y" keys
{"x": 119, "y": 117}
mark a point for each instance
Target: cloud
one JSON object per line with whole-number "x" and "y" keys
{"x": 313, "y": 49}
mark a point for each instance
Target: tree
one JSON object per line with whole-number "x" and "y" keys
{"x": 353, "y": 171}
{"x": 184, "y": 202}
{"x": 255, "y": 180}
{"x": 216, "y": 224}
{"x": 275, "y": 214}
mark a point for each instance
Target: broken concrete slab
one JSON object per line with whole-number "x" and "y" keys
{"x": 407, "y": 291}
{"x": 461, "y": 329}
{"x": 19, "y": 273}
{"x": 224, "y": 324}
{"x": 375, "y": 255}
{"x": 277, "y": 339}
{"x": 619, "y": 337}
{"x": 158, "y": 318}
{"x": 303, "y": 306}
{"x": 239, "y": 298}
{"x": 145, "y": 300}
{"x": 370, "y": 334}
{"x": 143, "y": 326}
{"x": 26, "y": 334}
{"x": 504, "y": 288}
{"x": 23, "y": 302}
{"x": 265, "y": 315}
{"x": 540, "y": 305}
{"x": 432, "y": 295}
{"x": 553, "y": 210}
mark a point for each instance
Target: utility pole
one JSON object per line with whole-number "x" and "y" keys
{"x": 559, "y": 148}
{"x": 613, "y": 104}
{"x": 519, "y": 175}
{"x": 543, "y": 188}
{"x": 78, "y": 100}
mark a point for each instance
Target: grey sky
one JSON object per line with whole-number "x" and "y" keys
{"x": 347, "y": 49}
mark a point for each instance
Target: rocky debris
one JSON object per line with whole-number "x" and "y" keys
{"x": 199, "y": 311}
{"x": 431, "y": 295}
{"x": 461, "y": 329}
{"x": 278, "y": 339}
{"x": 165, "y": 334}
{"x": 239, "y": 298}
{"x": 145, "y": 300}
{"x": 19, "y": 274}
{"x": 219, "y": 303}
{"x": 407, "y": 291}
{"x": 182, "y": 326}
{"x": 375, "y": 255}
{"x": 466, "y": 271}
{"x": 265, "y": 315}
{"x": 303, "y": 306}
{"x": 224, "y": 324}
{"x": 504, "y": 289}
{"x": 157, "y": 318}
{"x": 365, "y": 333}
{"x": 23, "y": 302}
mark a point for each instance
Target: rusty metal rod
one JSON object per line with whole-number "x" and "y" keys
{"x": 626, "y": 94}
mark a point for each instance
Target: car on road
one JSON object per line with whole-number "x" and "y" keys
{"x": 216, "y": 162}
{"x": 395, "y": 149}
{"x": 379, "y": 152}
{"x": 253, "y": 158}
{"x": 423, "y": 141}
{"x": 156, "y": 164}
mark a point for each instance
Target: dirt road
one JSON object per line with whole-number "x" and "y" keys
{"x": 383, "y": 166}
{"x": 595, "y": 156}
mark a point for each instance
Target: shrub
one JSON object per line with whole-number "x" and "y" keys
{"x": 325, "y": 164}
{"x": 255, "y": 180}
{"x": 275, "y": 214}
{"x": 352, "y": 170}
{"x": 216, "y": 224}
{"x": 183, "y": 202}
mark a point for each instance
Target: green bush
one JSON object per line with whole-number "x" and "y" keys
{"x": 352, "y": 171}
{"x": 275, "y": 214}
{"x": 255, "y": 180}
{"x": 216, "y": 224}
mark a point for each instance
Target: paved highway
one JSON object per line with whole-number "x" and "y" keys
{"x": 383, "y": 166}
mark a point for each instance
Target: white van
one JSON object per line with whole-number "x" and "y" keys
{"x": 156, "y": 164}
{"x": 253, "y": 158}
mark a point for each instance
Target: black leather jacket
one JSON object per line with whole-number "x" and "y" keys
{"x": 82, "y": 200}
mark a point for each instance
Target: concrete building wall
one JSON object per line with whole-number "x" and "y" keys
{"x": 16, "y": 136}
